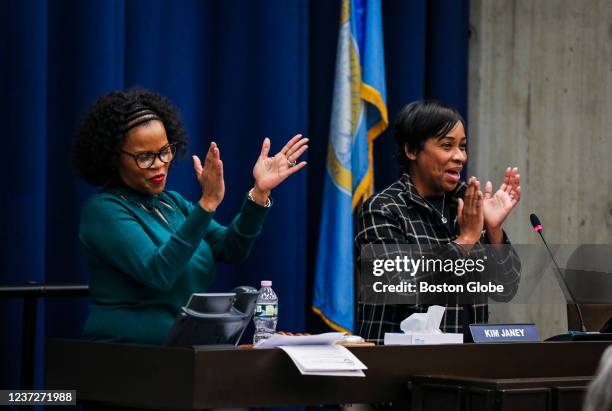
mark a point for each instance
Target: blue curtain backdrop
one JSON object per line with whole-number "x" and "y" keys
{"x": 238, "y": 71}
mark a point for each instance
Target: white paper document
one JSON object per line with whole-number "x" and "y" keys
{"x": 328, "y": 360}
{"x": 320, "y": 339}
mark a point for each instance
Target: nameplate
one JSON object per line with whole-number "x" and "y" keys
{"x": 496, "y": 333}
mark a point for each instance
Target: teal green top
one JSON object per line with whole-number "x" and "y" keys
{"x": 147, "y": 254}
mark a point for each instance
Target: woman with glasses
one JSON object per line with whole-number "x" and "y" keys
{"x": 148, "y": 249}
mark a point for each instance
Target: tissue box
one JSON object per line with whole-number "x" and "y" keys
{"x": 422, "y": 338}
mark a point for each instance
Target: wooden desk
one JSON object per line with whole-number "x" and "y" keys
{"x": 436, "y": 393}
{"x": 181, "y": 378}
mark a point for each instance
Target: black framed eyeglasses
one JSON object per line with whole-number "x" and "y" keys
{"x": 147, "y": 159}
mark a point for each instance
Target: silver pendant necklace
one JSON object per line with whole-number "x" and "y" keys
{"x": 442, "y": 218}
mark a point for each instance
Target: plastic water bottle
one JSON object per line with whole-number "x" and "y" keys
{"x": 266, "y": 313}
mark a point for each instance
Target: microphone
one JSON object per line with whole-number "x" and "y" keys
{"x": 535, "y": 223}
{"x": 537, "y": 227}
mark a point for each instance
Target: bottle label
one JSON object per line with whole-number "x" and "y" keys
{"x": 266, "y": 310}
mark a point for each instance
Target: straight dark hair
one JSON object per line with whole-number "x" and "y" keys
{"x": 419, "y": 121}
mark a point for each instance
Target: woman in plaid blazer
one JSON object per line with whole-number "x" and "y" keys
{"x": 429, "y": 205}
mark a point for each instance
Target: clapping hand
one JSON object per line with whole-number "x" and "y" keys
{"x": 269, "y": 172}
{"x": 210, "y": 177}
{"x": 470, "y": 214}
{"x": 498, "y": 205}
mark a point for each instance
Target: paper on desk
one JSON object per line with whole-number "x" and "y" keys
{"x": 327, "y": 360}
{"x": 324, "y": 358}
{"x": 320, "y": 339}
{"x": 349, "y": 373}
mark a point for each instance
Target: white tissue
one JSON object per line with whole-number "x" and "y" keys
{"x": 424, "y": 323}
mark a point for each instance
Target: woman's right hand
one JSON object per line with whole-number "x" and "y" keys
{"x": 210, "y": 177}
{"x": 470, "y": 214}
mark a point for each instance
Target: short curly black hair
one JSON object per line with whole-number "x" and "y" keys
{"x": 97, "y": 145}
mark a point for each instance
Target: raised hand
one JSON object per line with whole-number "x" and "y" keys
{"x": 498, "y": 205}
{"x": 470, "y": 214}
{"x": 210, "y": 177}
{"x": 269, "y": 172}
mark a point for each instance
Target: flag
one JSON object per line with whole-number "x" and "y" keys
{"x": 359, "y": 115}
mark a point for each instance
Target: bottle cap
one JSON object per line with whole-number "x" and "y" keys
{"x": 266, "y": 283}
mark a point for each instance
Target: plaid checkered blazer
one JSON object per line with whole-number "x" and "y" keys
{"x": 397, "y": 216}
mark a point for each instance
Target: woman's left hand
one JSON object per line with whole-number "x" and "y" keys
{"x": 498, "y": 206}
{"x": 269, "y": 172}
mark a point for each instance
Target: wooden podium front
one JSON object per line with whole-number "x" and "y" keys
{"x": 153, "y": 377}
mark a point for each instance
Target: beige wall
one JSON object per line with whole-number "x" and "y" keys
{"x": 541, "y": 99}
